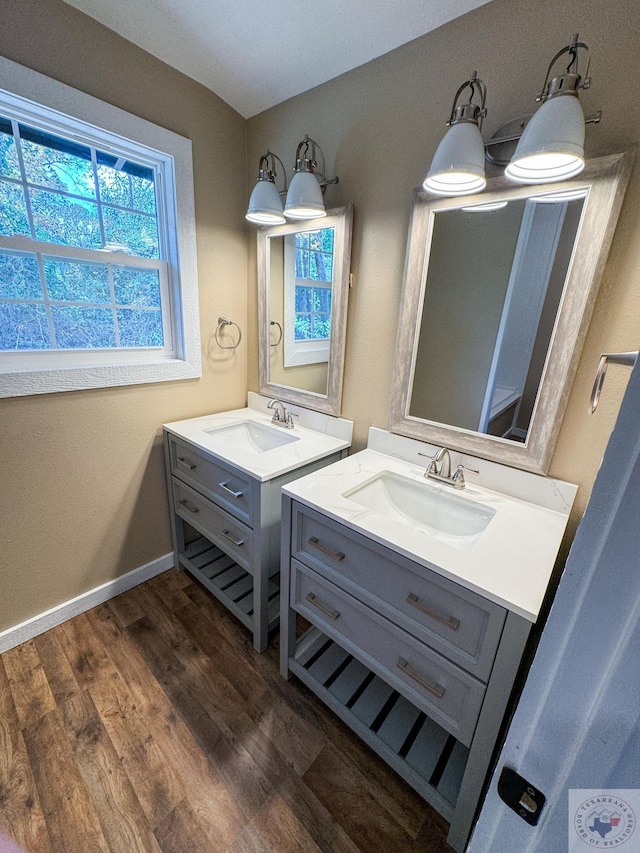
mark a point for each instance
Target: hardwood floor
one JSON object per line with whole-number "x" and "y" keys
{"x": 150, "y": 724}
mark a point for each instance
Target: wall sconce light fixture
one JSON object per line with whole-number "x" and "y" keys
{"x": 265, "y": 204}
{"x": 304, "y": 198}
{"x": 551, "y": 147}
{"x": 457, "y": 167}
{"x": 304, "y": 194}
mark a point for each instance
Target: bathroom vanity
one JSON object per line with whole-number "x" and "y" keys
{"x": 420, "y": 599}
{"x": 224, "y": 475}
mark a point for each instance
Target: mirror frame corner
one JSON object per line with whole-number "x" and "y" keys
{"x": 331, "y": 402}
{"x": 606, "y": 178}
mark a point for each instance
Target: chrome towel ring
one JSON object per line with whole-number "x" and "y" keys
{"x": 222, "y": 322}
{"x": 275, "y": 323}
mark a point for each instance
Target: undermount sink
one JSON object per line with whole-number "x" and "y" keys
{"x": 447, "y": 516}
{"x": 252, "y": 437}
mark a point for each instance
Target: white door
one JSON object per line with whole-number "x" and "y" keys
{"x": 577, "y": 725}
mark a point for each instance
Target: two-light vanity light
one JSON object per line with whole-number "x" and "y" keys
{"x": 550, "y": 144}
{"x": 304, "y": 195}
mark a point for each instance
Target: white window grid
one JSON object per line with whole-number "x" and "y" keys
{"x": 19, "y": 111}
{"x": 312, "y": 284}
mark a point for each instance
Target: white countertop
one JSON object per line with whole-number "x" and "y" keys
{"x": 511, "y": 561}
{"x": 311, "y": 443}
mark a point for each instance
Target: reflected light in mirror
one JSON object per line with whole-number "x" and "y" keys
{"x": 565, "y": 195}
{"x": 484, "y": 207}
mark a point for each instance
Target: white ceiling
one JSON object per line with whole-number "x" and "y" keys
{"x": 257, "y": 53}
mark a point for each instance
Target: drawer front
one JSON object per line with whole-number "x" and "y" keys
{"x": 442, "y": 690}
{"x": 229, "y": 488}
{"x": 459, "y": 624}
{"x": 233, "y": 537}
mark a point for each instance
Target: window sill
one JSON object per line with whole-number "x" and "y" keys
{"x": 26, "y": 383}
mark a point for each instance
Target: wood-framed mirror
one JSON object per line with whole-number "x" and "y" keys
{"x": 498, "y": 293}
{"x": 303, "y": 292}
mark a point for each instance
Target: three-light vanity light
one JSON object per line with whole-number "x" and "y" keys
{"x": 550, "y": 144}
{"x": 304, "y": 195}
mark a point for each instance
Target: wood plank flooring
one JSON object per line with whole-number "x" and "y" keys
{"x": 150, "y": 725}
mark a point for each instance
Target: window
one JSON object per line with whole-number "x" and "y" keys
{"x": 91, "y": 289}
{"x": 314, "y": 274}
{"x": 308, "y": 295}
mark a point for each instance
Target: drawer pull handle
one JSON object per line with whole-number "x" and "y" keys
{"x": 332, "y": 614}
{"x": 448, "y": 621}
{"x": 185, "y": 464}
{"x": 185, "y": 503}
{"x": 334, "y": 555}
{"x": 237, "y": 542}
{"x": 231, "y": 492}
{"x": 436, "y": 689}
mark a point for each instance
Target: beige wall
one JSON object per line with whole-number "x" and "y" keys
{"x": 82, "y": 496}
{"x": 379, "y": 126}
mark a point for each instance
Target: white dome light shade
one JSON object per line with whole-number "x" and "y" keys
{"x": 265, "y": 204}
{"x": 304, "y": 199}
{"x": 457, "y": 167}
{"x": 552, "y": 145}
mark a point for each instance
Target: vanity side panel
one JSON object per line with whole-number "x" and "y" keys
{"x": 287, "y": 614}
{"x": 476, "y": 776}
{"x": 269, "y": 507}
{"x": 177, "y": 531}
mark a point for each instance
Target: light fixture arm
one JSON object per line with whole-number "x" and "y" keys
{"x": 572, "y": 68}
{"x": 312, "y": 162}
{"x": 268, "y": 161}
{"x": 470, "y": 111}
{"x": 504, "y": 135}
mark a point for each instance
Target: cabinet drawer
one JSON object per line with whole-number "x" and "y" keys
{"x": 229, "y": 488}
{"x": 233, "y": 537}
{"x": 442, "y": 690}
{"x": 457, "y": 623}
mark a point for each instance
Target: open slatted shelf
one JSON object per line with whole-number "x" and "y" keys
{"x": 228, "y": 581}
{"x": 424, "y": 754}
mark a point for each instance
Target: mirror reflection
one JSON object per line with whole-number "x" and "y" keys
{"x": 303, "y": 293}
{"x": 301, "y": 268}
{"x": 494, "y": 284}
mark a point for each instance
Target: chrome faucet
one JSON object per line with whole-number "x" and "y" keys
{"x": 281, "y": 416}
{"x": 439, "y": 469}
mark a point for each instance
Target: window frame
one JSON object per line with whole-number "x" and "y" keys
{"x": 56, "y": 108}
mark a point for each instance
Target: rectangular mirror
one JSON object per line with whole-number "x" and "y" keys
{"x": 498, "y": 294}
{"x": 303, "y": 288}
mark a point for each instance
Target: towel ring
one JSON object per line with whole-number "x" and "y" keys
{"x": 275, "y": 323}
{"x": 223, "y": 321}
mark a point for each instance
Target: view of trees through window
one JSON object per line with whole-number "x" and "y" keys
{"x": 97, "y": 284}
{"x": 314, "y": 276}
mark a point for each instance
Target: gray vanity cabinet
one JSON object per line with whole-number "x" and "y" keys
{"x": 420, "y": 667}
{"x": 232, "y": 542}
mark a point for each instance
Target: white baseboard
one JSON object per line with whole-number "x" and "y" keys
{"x": 68, "y": 609}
